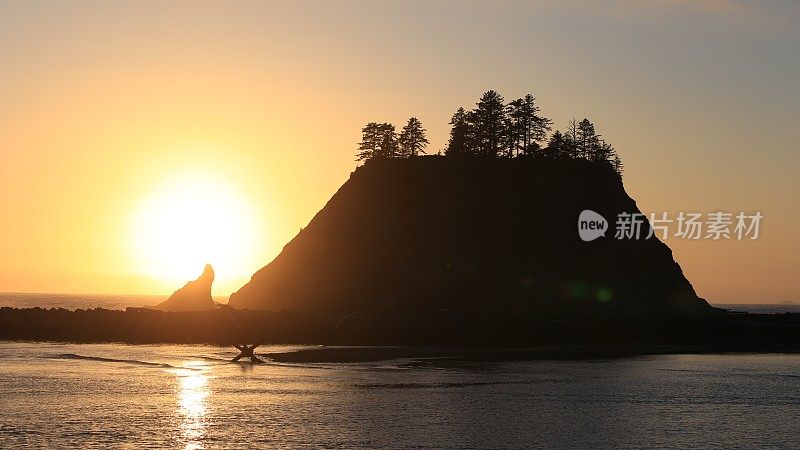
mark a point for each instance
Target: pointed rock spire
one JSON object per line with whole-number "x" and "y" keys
{"x": 194, "y": 296}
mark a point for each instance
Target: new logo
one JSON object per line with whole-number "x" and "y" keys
{"x": 591, "y": 225}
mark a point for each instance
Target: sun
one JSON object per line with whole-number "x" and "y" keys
{"x": 190, "y": 221}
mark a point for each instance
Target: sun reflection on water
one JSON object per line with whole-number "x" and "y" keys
{"x": 193, "y": 394}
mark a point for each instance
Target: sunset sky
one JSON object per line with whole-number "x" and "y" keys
{"x": 110, "y": 112}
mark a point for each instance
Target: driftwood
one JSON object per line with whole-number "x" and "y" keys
{"x": 247, "y": 352}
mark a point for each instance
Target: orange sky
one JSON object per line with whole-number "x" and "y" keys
{"x": 106, "y": 105}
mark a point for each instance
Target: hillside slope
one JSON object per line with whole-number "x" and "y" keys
{"x": 470, "y": 235}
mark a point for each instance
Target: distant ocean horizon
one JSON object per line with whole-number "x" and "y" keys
{"x": 122, "y": 301}
{"x": 82, "y": 301}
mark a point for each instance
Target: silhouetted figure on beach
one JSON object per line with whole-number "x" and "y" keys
{"x": 247, "y": 352}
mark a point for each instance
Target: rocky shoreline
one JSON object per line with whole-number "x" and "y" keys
{"x": 414, "y": 334}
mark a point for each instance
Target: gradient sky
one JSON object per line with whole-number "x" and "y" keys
{"x": 103, "y": 103}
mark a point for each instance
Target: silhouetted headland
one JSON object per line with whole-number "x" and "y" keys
{"x": 450, "y": 253}
{"x": 488, "y": 228}
{"x": 474, "y": 235}
{"x": 194, "y": 296}
{"x": 475, "y": 248}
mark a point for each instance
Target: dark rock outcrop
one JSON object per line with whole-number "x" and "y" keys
{"x": 444, "y": 333}
{"x": 194, "y": 296}
{"x": 473, "y": 236}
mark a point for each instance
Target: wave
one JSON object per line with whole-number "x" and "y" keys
{"x": 456, "y": 384}
{"x": 223, "y": 361}
{"x": 125, "y": 361}
{"x": 219, "y": 361}
{"x": 212, "y": 358}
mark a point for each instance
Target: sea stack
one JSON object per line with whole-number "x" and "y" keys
{"x": 473, "y": 235}
{"x": 194, "y": 296}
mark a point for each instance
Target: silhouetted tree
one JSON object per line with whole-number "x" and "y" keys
{"x": 494, "y": 129}
{"x": 603, "y": 153}
{"x": 533, "y": 149}
{"x": 557, "y": 147}
{"x": 511, "y": 138}
{"x": 369, "y": 146}
{"x": 389, "y": 148}
{"x": 616, "y": 163}
{"x": 412, "y": 139}
{"x": 378, "y": 140}
{"x": 488, "y": 120}
{"x": 461, "y": 140}
{"x": 591, "y": 145}
{"x": 529, "y": 127}
{"x": 570, "y": 146}
{"x": 588, "y": 141}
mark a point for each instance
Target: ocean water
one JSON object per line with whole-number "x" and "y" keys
{"x": 82, "y": 301}
{"x": 101, "y": 396}
{"x": 147, "y": 396}
{"x": 762, "y": 309}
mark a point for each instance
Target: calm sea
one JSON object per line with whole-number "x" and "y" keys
{"x": 101, "y": 396}
{"x": 81, "y": 301}
{"x": 109, "y": 395}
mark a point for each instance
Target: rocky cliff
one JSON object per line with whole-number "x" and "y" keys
{"x": 194, "y": 296}
{"x": 471, "y": 235}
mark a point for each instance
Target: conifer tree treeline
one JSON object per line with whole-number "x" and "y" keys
{"x": 581, "y": 141}
{"x": 494, "y": 129}
{"x": 380, "y": 140}
{"x": 497, "y": 129}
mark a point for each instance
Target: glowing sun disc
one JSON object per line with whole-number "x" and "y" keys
{"x": 192, "y": 221}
